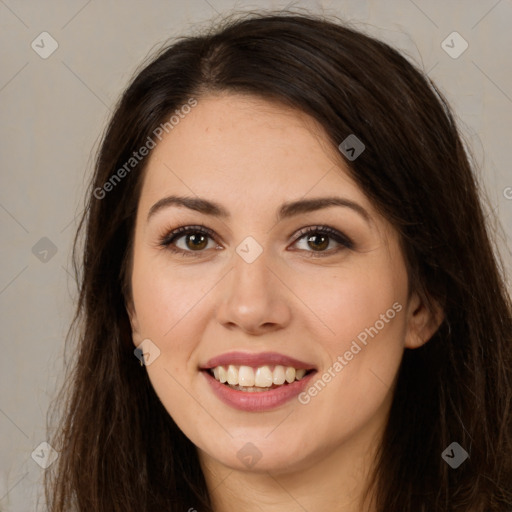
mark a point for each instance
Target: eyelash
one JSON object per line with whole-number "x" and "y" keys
{"x": 168, "y": 239}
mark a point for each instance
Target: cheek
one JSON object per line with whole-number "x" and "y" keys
{"x": 164, "y": 297}
{"x": 351, "y": 299}
{"x": 361, "y": 334}
{"x": 168, "y": 305}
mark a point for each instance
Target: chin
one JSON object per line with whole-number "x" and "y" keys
{"x": 261, "y": 452}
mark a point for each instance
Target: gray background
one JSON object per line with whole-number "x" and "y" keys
{"x": 53, "y": 111}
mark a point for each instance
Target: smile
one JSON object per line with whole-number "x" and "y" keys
{"x": 246, "y": 378}
{"x": 256, "y": 382}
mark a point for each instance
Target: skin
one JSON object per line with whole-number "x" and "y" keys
{"x": 251, "y": 156}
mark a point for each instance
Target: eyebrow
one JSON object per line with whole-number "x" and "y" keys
{"x": 286, "y": 210}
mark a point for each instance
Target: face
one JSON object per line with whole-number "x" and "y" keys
{"x": 302, "y": 305}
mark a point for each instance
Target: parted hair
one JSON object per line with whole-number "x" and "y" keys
{"x": 119, "y": 449}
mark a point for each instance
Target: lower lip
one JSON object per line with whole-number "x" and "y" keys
{"x": 257, "y": 400}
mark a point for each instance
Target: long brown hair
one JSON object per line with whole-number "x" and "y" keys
{"x": 119, "y": 448}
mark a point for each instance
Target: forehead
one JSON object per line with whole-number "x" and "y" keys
{"x": 244, "y": 147}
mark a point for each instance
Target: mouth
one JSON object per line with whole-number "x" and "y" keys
{"x": 256, "y": 382}
{"x": 257, "y": 379}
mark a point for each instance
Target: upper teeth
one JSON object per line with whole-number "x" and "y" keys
{"x": 262, "y": 377}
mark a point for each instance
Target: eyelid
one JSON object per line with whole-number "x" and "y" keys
{"x": 171, "y": 235}
{"x": 328, "y": 230}
{"x": 167, "y": 239}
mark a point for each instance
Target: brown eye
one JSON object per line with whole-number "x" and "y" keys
{"x": 188, "y": 240}
{"x": 318, "y": 242}
{"x": 318, "y": 238}
{"x": 196, "y": 241}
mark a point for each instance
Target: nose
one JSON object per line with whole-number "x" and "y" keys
{"x": 253, "y": 298}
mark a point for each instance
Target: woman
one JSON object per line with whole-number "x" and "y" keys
{"x": 289, "y": 299}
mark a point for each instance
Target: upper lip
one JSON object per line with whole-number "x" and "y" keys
{"x": 255, "y": 360}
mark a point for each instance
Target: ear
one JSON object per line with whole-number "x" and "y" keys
{"x": 134, "y": 322}
{"x": 422, "y": 323}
